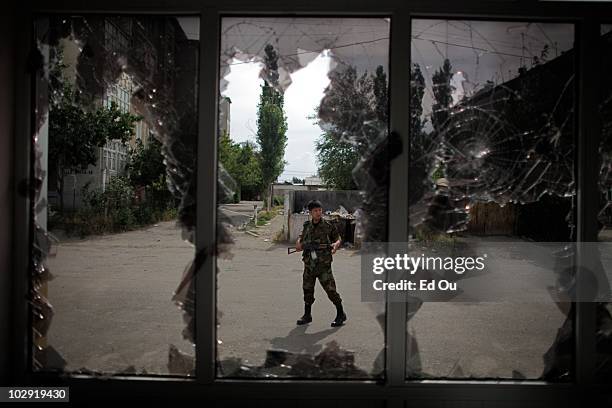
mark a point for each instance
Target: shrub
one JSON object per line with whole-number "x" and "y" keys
{"x": 278, "y": 201}
{"x": 123, "y": 218}
{"x": 118, "y": 209}
{"x": 118, "y": 194}
{"x": 265, "y": 216}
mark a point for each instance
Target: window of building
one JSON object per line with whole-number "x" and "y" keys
{"x": 116, "y": 35}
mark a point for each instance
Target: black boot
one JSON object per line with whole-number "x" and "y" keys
{"x": 307, "y": 318}
{"x": 340, "y": 316}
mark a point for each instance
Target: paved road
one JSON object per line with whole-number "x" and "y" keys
{"x": 239, "y": 213}
{"x": 112, "y": 301}
{"x": 112, "y": 298}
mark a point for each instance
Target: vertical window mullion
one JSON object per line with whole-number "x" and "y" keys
{"x": 399, "y": 80}
{"x": 21, "y": 320}
{"x": 589, "y": 134}
{"x": 205, "y": 283}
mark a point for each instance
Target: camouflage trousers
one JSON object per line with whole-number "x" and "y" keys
{"x": 323, "y": 272}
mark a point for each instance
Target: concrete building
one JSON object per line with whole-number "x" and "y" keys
{"x": 115, "y": 35}
{"x": 312, "y": 183}
{"x": 224, "y": 115}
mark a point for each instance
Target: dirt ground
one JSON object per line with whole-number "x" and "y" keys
{"x": 113, "y": 309}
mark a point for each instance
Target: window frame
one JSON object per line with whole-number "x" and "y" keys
{"x": 395, "y": 390}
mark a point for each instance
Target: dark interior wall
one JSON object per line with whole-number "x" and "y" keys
{"x": 7, "y": 93}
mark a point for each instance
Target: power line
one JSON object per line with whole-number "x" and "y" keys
{"x": 316, "y": 52}
{"x": 469, "y": 47}
{"x": 433, "y": 41}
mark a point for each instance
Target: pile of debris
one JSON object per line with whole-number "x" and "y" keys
{"x": 347, "y": 224}
{"x": 332, "y": 362}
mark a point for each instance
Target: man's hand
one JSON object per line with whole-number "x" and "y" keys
{"x": 298, "y": 246}
{"x": 335, "y": 246}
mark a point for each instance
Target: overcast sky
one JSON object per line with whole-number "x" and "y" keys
{"x": 301, "y": 99}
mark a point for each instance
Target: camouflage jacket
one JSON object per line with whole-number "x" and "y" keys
{"x": 323, "y": 232}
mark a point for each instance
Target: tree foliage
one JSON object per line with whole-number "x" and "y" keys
{"x": 381, "y": 95}
{"x": 337, "y": 159}
{"x": 417, "y": 91}
{"x": 420, "y": 143}
{"x": 77, "y": 127}
{"x": 146, "y": 165}
{"x": 349, "y": 102}
{"x": 76, "y": 132}
{"x": 442, "y": 90}
{"x": 271, "y": 124}
{"x": 355, "y": 106}
{"x": 242, "y": 162}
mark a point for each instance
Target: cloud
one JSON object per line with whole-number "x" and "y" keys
{"x": 301, "y": 99}
{"x": 243, "y": 88}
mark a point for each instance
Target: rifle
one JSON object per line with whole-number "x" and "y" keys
{"x": 309, "y": 247}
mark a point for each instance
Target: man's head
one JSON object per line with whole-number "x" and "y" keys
{"x": 316, "y": 210}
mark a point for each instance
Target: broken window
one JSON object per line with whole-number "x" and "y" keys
{"x": 115, "y": 135}
{"x": 491, "y": 165}
{"x": 303, "y": 116}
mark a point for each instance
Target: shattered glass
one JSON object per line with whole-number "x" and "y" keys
{"x": 491, "y": 160}
{"x": 259, "y": 283}
{"x": 114, "y": 187}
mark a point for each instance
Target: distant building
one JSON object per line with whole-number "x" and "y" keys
{"x": 116, "y": 35}
{"x": 314, "y": 183}
{"x": 522, "y": 121}
{"x": 310, "y": 184}
{"x": 224, "y": 115}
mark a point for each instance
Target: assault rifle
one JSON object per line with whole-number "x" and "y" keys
{"x": 309, "y": 247}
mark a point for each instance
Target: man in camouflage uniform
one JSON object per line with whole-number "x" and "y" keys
{"x": 317, "y": 263}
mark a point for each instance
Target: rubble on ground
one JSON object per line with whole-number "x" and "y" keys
{"x": 331, "y": 362}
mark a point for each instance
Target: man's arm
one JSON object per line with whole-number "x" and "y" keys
{"x": 298, "y": 244}
{"x": 338, "y": 239}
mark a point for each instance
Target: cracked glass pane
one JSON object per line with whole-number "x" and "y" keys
{"x": 603, "y": 361}
{"x": 491, "y": 161}
{"x": 303, "y": 116}
{"x": 116, "y": 128}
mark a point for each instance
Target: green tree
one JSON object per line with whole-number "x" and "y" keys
{"x": 417, "y": 91}
{"x": 296, "y": 180}
{"x": 349, "y": 103}
{"x": 76, "y": 132}
{"x": 381, "y": 94}
{"x": 249, "y": 174}
{"x": 336, "y": 160}
{"x": 443, "y": 91}
{"x": 242, "y": 162}
{"x": 146, "y": 165}
{"x": 271, "y": 126}
{"x": 227, "y": 152}
{"x": 420, "y": 143}
{"x": 356, "y": 105}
